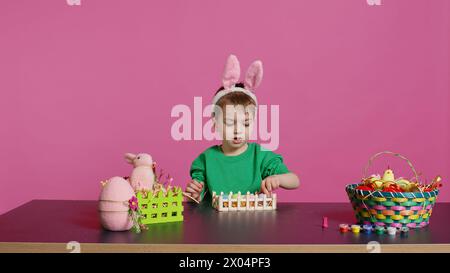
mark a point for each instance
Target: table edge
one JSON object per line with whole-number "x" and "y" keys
{"x": 25, "y": 247}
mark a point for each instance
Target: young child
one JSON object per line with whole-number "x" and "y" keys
{"x": 237, "y": 165}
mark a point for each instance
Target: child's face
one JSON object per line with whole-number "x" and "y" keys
{"x": 235, "y": 124}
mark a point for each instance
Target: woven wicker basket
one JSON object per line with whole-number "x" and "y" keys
{"x": 396, "y": 209}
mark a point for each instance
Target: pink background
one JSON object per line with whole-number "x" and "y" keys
{"x": 82, "y": 85}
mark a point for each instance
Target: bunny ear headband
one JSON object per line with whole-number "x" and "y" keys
{"x": 231, "y": 76}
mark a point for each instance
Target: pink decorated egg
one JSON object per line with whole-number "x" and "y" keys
{"x": 113, "y": 204}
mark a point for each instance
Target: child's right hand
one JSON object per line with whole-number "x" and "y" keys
{"x": 194, "y": 189}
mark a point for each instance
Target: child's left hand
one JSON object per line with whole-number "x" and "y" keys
{"x": 270, "y": 184}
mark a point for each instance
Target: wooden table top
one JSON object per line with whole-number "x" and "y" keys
{"x": 48, "y": 225}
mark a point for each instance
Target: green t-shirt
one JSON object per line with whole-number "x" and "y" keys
{"x": 243, "y": 172}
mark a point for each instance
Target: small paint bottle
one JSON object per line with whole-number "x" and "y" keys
{"x": 356, "y": 228}
{"x": 367, "y": 229}
{"x": 404, "y": 231}
{"x": 391, "y": 231}
{"x": 379, "y": 230}
{"x": 343, "y": 228}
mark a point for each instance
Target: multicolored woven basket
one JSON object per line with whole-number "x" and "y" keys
{"x": 396, "y": 209}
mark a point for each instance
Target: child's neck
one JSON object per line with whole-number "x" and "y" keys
{"x": 231, "y": 151}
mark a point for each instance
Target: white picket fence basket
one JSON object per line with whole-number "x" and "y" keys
{"x": 243, "y": 202}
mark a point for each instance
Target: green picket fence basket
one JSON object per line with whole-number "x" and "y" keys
{"x": 396, "y": 209}
{"x": 161, "y": 208}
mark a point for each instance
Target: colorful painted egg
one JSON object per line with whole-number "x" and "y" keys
{"x": 404, "y": 184}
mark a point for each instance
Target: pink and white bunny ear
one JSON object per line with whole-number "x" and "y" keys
{"x": 254, "y": 75}
{"x": 232, "y": 72}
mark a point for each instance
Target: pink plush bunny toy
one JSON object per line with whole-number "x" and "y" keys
{"x": 142, "y": 176}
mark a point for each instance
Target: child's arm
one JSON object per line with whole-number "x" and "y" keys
{"x": 275, "y": 174}
{"x": 288, "y": 181}
{"x": 285, "y": 181}
{"x": 196, "y": 187}
{"x": 194, "y": 190}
